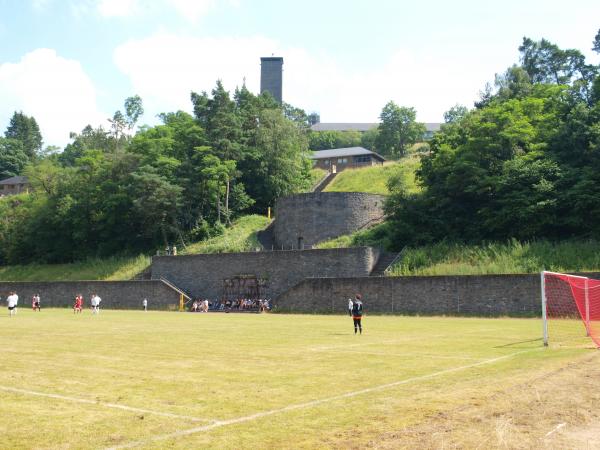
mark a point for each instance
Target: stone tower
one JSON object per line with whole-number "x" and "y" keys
{"x": 271, "y": 76}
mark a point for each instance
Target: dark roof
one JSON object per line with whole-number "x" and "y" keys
{"x": 431, "y": 126}
{"x": 341, "y": 152}
{"x": 14, "y": 180}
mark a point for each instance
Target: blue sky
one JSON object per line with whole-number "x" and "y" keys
{"x": 72, "y": 62}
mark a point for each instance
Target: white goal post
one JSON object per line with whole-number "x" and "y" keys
{"x": 570, "y": 308}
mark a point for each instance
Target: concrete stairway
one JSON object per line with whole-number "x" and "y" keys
{"x": 324, "y": 182}
{"x": 384, "y": 261}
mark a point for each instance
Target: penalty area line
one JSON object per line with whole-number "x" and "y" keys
{"x": 105, "y": 404}
{"x": 310, "y": 404}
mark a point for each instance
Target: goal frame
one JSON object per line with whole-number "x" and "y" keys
{"x": 586, "y": 319}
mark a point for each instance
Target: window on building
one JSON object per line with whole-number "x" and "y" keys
{"x": 362, "y": 159}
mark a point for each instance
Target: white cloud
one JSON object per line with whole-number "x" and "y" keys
{"x": 189, "y": 10}
{"x": 39, "y": 5}
{"x": 192, "y": 10}
{"x": 117, "y": 8}
{"x": 54, "y": 90}
{"x": 164, "y": 68}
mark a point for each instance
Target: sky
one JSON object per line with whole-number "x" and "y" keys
{"x": 70, "y": 63}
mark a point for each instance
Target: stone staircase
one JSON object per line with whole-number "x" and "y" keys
{"x": 385, "y": 260}
{"x": 324, "y": 182}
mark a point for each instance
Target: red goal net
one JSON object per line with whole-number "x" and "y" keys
{"x": 570, "y": 309}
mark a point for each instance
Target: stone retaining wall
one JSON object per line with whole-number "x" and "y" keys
{"x": 203, "y": 275}
{"x": 486, "y": 295}
{"x": 307, "y": 219}
{"x": 114, "y": 294}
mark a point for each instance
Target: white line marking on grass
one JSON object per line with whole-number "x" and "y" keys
{"x": 105, "y": 404}
{"x": 222, "y": 423}
{"x": 410, "y": 338}
{"x": 412, "y": 355}
{"x": 556, "y": 428}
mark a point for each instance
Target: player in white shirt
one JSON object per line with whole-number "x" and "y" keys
{"x": 145, "y": 304}
{"x": 95, "y": 302}
{"x": 12, "y": 300}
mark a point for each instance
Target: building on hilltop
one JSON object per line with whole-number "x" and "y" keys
{"x": 271, "y": 76}
{"x": 431, "y": 127}
{"x": 13, "y": 185}
{"x": 338, "y": 159}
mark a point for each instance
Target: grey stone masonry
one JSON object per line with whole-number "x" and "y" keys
{"x": 203, "y": 275}
{"x": 307, "y": 219}
{"x": 114, "y": 294}
{"x": 485, "y": 295}
{"x": 271, "y": 77}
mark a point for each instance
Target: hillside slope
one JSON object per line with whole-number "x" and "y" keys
{"x": 241, "y": 236}
{"x": 374, "y": 179}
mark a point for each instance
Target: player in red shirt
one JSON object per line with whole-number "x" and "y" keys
{"x": 78, "y": 306}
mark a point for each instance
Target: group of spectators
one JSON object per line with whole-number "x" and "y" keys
{"x": 242, "y": 304}
{"x": 200, "y": 305}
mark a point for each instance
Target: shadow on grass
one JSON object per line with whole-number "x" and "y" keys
{"x": 512, "y": 344}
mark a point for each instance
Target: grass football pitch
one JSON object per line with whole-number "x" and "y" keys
{"x": 129, "y": 379}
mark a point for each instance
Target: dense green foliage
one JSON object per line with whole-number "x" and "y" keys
{"x": 325, "y": 140}
{"x": 22, "y": 144}
{"x": 110, "y": 193}
{"x": 524, "y": 164}
{"x": 25, "y": 130}
{"x": 446, "y": 258}
{"x": 398, "y": 130}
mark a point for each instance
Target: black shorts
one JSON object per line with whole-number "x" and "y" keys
{"x": 10, "y": 308}
{"x": 36, "y": 305}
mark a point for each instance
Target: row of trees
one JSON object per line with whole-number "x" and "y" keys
{"x": 397, "y": 131}
{"x": 112, "y": 192}
{"x": 525, "y": 163}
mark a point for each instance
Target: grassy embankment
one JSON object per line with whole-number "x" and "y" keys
{"x": 374, "y": 179}
{"x": 241, "y": 236}
{"x": 495, "y": 258}
{"x": 486, "y": 259}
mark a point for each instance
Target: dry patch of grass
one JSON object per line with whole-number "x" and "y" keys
{"x": 556, "y": 410}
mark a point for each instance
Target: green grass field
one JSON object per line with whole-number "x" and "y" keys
{"x": 128, "y": 379}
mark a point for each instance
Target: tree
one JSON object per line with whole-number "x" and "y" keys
{"x": 89, "y": 139}
{"x": 455, "y": 114}
{"x": 134, "y": 109}
{"x": 368, "y": 139}
{"x": 398, "y": 130}
{"x": 278, "y": 163}
{"x": 547, "y": 63}
{"x": 325, "y": 140}
{"x": 596, "y": 43}
{"x": 12, "y": 158}
{"x": 26, "y": 130}
{"x": 314, "y": 118}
